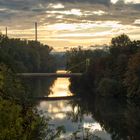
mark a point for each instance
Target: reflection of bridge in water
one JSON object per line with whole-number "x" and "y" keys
{"x": 56, "y": 98}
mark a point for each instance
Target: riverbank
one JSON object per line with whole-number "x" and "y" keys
{"x": 114, "y": 71}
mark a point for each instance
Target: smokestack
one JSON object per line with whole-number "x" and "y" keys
{"x": 35, "y": 31}
{"x": 6, "y": 31}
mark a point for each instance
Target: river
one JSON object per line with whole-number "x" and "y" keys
{"x": 106, "y": 119}
{"x": 60, "y": 111}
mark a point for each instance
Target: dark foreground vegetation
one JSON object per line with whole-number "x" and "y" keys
{"x": 113, "y": 71}
{"x": 19, "y": 118}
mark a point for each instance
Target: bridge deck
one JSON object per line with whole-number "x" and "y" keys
{"x": 49, "y": 74}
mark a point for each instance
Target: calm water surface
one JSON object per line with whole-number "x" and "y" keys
{"x": 107, "y": 119}
{"x": 62, "y": 112}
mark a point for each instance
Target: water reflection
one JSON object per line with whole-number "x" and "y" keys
{"x": 39, "y": 87}
{"x": 69, "y": 113}
{"x": 119, "y": 118}
{"x": 59, "y": 112}
{"x": 107, "y": 119}
{"x": 60, "y": 87}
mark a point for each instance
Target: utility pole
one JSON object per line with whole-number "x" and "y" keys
{"x": 35, "y": 31}
{"x": 6, "y": 31}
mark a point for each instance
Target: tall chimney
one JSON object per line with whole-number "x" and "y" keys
{"x": 35, "y": 31}
{"x": 6, "y": 31}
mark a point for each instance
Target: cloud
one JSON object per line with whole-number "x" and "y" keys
{"x": 125, "y": 1}
{"x": 137, "y": 21}
{"x": 132, "y": 1}
{"x": 56, "y": 6}
{"x": 59, "y": 19}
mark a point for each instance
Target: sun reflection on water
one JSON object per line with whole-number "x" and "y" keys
{"x": 60, "y": 87}
{"x": 62, "y": 112}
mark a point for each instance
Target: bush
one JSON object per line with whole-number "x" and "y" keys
{"x": 132, "y": 76}
{"x": 108, "y": 87}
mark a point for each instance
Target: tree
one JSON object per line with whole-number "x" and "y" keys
{"x": 109, "y": 87}
{"x": 132, "y": 76}
{"x": 120, "y": 45}
{"x": 26, "y": 56}
{"x": 18, "y": 117}
{"x": 120, "y": 41}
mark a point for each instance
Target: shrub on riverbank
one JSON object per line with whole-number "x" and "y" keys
{"x": 109, "y": 87}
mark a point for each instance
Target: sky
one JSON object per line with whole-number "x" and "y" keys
{"x": 64, "y": 24}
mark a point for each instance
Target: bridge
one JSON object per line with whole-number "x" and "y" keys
{"x": 49, "y": 74}
{"x": 57, "y": 74}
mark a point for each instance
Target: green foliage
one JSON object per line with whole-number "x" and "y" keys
{"x": 113, "y": 72}
{"x": 15, "y": 125}
{"x": 11, "y": 87}
{"x": 26, "y": 56}
{"x": 10, "y": 121}
{"x": 18, "y": 118}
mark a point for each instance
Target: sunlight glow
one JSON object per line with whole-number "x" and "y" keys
{"x": 55, "y": 109}
{"x": 114, "y": 1}
{"x": 56, "y": 6}
{"x": 59, "y": 17}
{"x": 99, "y": 12}
{"x": 137, "y": 21}
{"x": 66, "y": 24}
{"x": 76, "y": 12}
{"x": 60, "y": 35}
{"x": 132, "y": 1}
{"x": 60, "y": 87}
{"x": 93, "y": 126}
{"x": 82, "y": 26}
{"x": 61, "y": 26}
{"x": 59, "y": 116}
{"x": 127, "y": 1}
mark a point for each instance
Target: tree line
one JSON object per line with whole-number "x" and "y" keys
{"x": 113, "y": 71}
{"x": 26, "y": 56}
{"x": 19, "y": 118}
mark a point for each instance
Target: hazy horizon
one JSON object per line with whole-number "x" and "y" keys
{"x": 63, "y": 23}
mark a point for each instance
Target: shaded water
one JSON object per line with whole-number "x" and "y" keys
{"x": 106, "y": 119}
